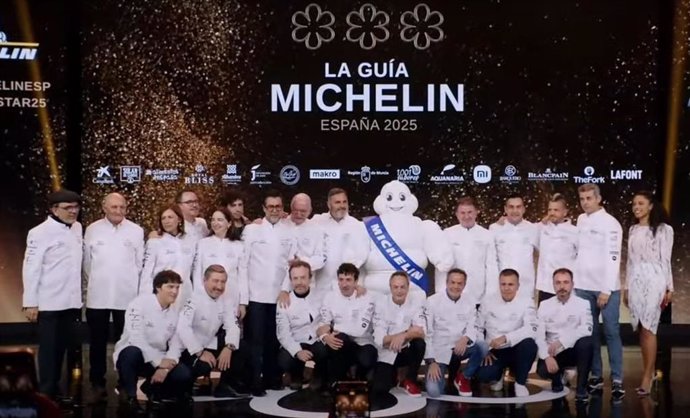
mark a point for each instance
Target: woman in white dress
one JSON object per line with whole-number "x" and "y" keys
{"x": 169, "y": 248}
{"x": 649, "y": 282}
{"x": 223, "y": 247}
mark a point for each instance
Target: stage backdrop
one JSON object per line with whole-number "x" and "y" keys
{"x": 452, "y": 98}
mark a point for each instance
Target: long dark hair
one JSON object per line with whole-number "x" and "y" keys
{"x": 657, "y": 215}
{"x": 234, "y": 233}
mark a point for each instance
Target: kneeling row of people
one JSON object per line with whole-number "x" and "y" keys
{"x": 352, "y": 327}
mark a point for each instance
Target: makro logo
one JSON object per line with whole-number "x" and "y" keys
{"x": 17, "y": 50}
{"x": 626, "y": 174}
{"x": 589, "y": 176}
{"x": 324, "y": 174}
{"x": 482, "y": 174}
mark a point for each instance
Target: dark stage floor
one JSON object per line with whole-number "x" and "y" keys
{"x": 671, "y": 399}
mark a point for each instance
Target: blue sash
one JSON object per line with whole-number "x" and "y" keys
{"x": 394, "y": 254}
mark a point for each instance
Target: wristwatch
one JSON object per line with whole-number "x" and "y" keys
{"x": 231, "y": 347}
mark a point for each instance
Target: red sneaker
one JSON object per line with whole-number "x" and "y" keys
{"x": 462, "y": 385}
{"x": 411, "y": 388}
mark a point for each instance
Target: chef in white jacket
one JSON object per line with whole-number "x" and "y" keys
{"x": 195, "y": 226}
{"x": 516, "y": 241}
{"x": 198, "y": 328}
{"x": 112, "y": 262}
{"x": 399, "y": 325}
{"x": 597, "y": 280}
{"x": 296, "y": 326}
{"x": 451, "y": 337}
{"x": 169, "y": 249}
{"x": 508, "y": 324}
{"x": 268, "y": 248}
{"x": 346, "y": 327}
{"x": 473, "y": 249}
{"x": 346, "y": 241}
{"x": 52, "y": 284}
{"x": 224, "y": 247}
{"x": 557, "y": 245}
{"x": 564, "y": 335}
{"x": 148, "y": 346}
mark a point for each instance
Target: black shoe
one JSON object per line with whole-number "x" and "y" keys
{"x": 258, "y": 392}
{"x": 557, "y": 385}
{"x": 595, "y": 384}
{"x": 617, "y": 391}
{"x": 296, "y": 385}
{"x": 202, "y": 390}
{"x": 227, "y": 391}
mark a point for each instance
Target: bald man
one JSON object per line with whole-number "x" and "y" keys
{"x": 112, "y": 261}
{"x": 310, "y": 240}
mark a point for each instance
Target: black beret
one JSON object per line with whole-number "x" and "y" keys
{"x": 63, "y": 196}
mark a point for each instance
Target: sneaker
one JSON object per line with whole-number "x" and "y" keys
{"x": 617, "y": 391}
{"x": 595, "y": 384}
{"x": 497, "y": 386}
{"x": 462, "y": 384}
{"x": 411, "y": 388}
{"x": 521, "y": 390}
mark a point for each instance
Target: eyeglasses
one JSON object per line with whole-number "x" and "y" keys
{"x": 190, "y": 202}
{"x": 274, "y": 207}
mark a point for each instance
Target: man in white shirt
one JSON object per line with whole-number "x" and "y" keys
{"x": 113, "y": 259}
{"x": 148, "y": 346}
{"x": 201, "y": 319}
{"x": 597, "y": 280}
{"x": 508, "y": 324}
{"x": 346, "y": 241}
{"x": 564, "y": 335}
{"x": 474, "y": 251}
{"x": 52, "y": 284}
{"x": 194, "y": 226}
{"x": 346, "y": 327}
{"x": 516, "y": 240}
{"x": 268, "y": 248}
{"x": 451, "y": 337}
{"x": 296, "y": 325}
{"x": 557, "y": 245}
{"x": 399, "y": 325}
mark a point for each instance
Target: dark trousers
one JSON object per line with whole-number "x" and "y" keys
{"x": 544, "y": 296}
{"x": 260, "y": 331}
{"x": 295, "y": 366}
{"x": 239, "y": 370}
{"x": 519, "y": 358}
{"x": 580, "y": 356}
{"x": 411, "y": 357}
{"x": 98, "y": 321}
{"x": 351, "y": 353}
{"x": 130, "y": 365}
{"x": 56, "y": 332}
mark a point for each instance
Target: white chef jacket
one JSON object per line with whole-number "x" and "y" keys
{"x": 600, "y": 238}
{"x": 446, "y": 322}
{"x": 310, "y": 242}
{"x": 201, "y": 318}
{"x": 52, "y": 266}
{"x": 474, "y": 252}
{"x": 113, "y": 260}
{"x": 298, "y": 322}
{"x": 222, "y": 251}
{"x": 515, "y": 245}
{"x": 516, "y": 319}
{"x": 264, "y": 264}
{"x": 565, "y": 322}
{"x": 350, "y": 315}
{"x": 391, "y": 318}
{"x": 197, "y": 230}
{"x": 151, "y": 328}
{"x": 345, "y": 242}
{"x": 168, "y": 253}
{"x": 557, "y": 249}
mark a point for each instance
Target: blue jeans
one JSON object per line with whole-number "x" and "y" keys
{"x": 475, "y": 353}
{"x": 610, "y": 317}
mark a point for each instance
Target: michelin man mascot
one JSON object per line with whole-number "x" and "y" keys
{"x": 401, "y": 241}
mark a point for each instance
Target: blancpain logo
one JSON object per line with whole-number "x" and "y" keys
{"x": 547, "y": 175}
{"x": 626, "y": 174}
{"x": 446, "y": 176}
{"x": 589, "y": 176}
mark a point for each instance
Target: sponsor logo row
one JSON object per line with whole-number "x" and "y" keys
{"x": 290, "y": 175}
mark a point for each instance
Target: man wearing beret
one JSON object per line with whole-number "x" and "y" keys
{"x": 52, "y": 284}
